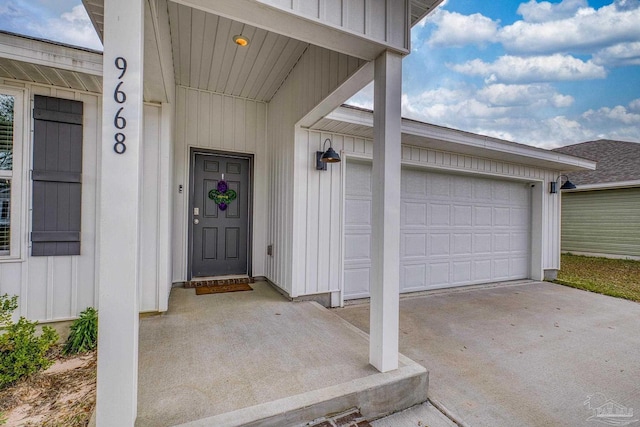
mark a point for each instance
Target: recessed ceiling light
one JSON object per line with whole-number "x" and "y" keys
{"x": 241, "y": 40}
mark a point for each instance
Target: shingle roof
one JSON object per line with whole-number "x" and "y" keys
{"x": 618, "y": 161}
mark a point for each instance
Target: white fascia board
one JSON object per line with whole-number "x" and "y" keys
{"x": 533, "y": 155}
{"x": 604, "y": 186}
{"x": 50, "y": 54}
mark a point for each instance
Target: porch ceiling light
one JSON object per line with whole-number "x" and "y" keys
{"x": 324, "y": 157}
{"x": 568, "y": 185}
{"x": 241, "y": 40}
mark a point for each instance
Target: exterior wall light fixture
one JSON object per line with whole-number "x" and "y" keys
{"x": 241, "y": 40}
{"x": 568, "y": 185}
{"x": 324, "y": 157}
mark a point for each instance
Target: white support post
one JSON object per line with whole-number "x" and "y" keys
{"x": 122, "y": 116}
{"x": 385, "y": 300}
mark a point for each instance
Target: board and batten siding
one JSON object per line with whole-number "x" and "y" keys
{"x": 384, "y": 21}
{"x": 212, "y": 121}
{"x": 316, "y": 75}
{"x": 604, "y": 222}
{"x": 320, "y": 263}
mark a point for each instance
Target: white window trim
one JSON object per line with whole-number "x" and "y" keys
{"x": 18, "y": 176}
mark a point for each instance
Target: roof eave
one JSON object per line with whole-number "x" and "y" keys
{"x": 446, "y": 139}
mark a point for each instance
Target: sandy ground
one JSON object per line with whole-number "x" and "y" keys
{"x": 63, "y": 395}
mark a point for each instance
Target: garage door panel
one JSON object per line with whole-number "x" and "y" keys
{"x": 414, "y": 214}
{"x": 414, "y": 184}
{"x": 482, "y": 216}
{"x": 462, "y": 215}
{"x": 357, "y": 247}
{"x": 455, "y": 230}
{"x": 358, "y": 212}
{"x": 413, "y": 245}
{"x": 439, "y": 244}
{"x": 413, "y": 277}
{"x": 358, "y": 280}
{"x": 501, "y": 217}
{"x": 438, "y": 274}
{"x": 519, "y": 267}
{"x": 519, "y": 243}
{"x": 482, "y": 243}
{"x": 501, "y": 242}
{"x": 482, "y": 269}
{"x": 461, "y": 272}
{"x": 462, "y": 244}
{"x": 439, "y": 214}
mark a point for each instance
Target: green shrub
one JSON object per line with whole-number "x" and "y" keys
{"x": 22, "y": 353}
{"x": 84, "y": 333}
{"x": 3, "y": 418}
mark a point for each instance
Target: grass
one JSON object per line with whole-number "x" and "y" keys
{"x": 614, "y": 277}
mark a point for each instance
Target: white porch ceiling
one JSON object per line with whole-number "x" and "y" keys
{"x": 205, "y": 56}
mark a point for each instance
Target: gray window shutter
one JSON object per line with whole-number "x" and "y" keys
{"x": 57, "y": 176}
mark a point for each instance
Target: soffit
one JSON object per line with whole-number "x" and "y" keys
{"x": 421, "y": 8}
{"x": 45, "y": 62}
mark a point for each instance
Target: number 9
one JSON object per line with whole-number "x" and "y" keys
{"x": 121, "y": 64}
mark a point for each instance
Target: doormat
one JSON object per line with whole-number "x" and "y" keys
{"x": 219, "y": 289}
{"x": 201, "y": 283}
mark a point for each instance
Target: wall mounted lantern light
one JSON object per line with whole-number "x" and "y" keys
{"x": 568, "y": 185}
{"x": 324, "y": 157}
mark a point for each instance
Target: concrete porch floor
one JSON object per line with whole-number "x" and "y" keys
{"x": 254, "y": 358}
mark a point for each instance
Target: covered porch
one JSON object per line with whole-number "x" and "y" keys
{"x": 256, "y": 101}
{"x": 255, "y": 358}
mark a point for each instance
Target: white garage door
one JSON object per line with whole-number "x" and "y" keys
{"x": 456, "y": 230}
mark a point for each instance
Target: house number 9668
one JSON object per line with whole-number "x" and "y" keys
{"x": 120, "y": 96}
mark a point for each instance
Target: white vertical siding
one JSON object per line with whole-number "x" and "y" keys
{"x": 154, "y": 279}
{"x": 319, "y": 268}
{"x": 385, "y": 21}
{"x": 210, "y": 120}
{"x": 317, "y": 74}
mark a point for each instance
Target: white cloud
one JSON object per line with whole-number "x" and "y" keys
{"x": 618, "y": 114}
{"x": 619, "y": 55}
{"x": 514, "y": 69}
{"x": 526, "y": 114}
{"x": 533, "y": 11}
{"x": 455, "y": 29}
{"x": 73, "y": 27}
{"x": 536, "y": 95}
{"x": 586, "y": 30}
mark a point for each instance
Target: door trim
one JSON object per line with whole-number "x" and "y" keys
{"x": 204, "y": 152}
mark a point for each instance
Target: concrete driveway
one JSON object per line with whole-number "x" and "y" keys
{"x": 524, "y": 354}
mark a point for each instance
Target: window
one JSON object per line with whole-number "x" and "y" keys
{"x": 11, "y": 131}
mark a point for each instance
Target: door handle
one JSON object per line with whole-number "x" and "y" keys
{"x": 196, "y": 221}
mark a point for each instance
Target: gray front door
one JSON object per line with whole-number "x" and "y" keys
{"x": 219, "y": 215}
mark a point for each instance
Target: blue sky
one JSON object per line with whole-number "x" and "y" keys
{"x": 535, "y": 72}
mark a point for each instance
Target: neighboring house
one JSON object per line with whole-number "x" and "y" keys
{"x": 117, "y": 161}
{"x": 602, "y": 216}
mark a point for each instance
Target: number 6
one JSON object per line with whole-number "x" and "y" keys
{"x": 119, "y": 121}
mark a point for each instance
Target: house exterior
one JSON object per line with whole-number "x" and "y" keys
{"x": 602, "y": 216}
{"x": 178, "y": 154}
